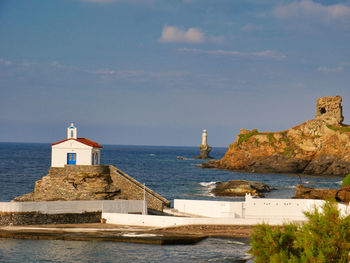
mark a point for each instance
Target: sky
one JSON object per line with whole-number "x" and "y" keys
{"x": 158, "y": 72}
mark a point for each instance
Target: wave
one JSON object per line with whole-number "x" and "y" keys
{"x": 290, "y": 187}
{"x": 236, "y": 243}
{"x": 152, "y": 154}
{"x": 183, "y": 158}
{"x": 207, "y": 184}
{"x": 339, "y": 182}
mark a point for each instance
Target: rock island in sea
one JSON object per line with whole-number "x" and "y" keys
{"x": 320, "y": 146}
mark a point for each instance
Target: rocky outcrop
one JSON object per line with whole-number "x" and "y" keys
{"x": 205, "y": 150}
{"x": 87, "y": 182}
{"x": 240, "y": 188}
{"x": 304, "y": 192}
{"x": 317, "y": 147}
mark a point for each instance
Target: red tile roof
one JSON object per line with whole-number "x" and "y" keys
{"x": 82, "y": 140}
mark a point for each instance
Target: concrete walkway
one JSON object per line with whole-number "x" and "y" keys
{"x": 101, "y": 232}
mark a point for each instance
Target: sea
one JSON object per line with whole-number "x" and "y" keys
{"x": 21, "y": 164}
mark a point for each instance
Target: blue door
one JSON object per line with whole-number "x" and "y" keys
{"x": 72, "y": 158}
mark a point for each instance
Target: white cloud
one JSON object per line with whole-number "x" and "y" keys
{"x": 268, "y": 54}
{"x": 173, "y": 34}
{"x": 312, "y": 10}
{"x": 5, "y": 62}
{"x": 327, "y": 69}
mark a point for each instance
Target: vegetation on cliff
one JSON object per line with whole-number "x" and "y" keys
{"x": 346, "y": 181}
{"x": 324, "y": 238}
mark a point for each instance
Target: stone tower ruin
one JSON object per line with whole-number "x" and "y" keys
{"x": 330, "y": 109}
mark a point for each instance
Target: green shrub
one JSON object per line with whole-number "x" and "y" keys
{"x": 272, "y": 139}
{"x": 346, "y": 181}
{"x": 340, "y": 129}
{"x": 287, "y": 151}
{"x": 274, "y": 244}
{"x": 332, "y": 127}
{"x": 245, "y": 137}
{"x": 256, "y": 143}
{"x": 345, "y": 129}
{"x": 324, "y": 238}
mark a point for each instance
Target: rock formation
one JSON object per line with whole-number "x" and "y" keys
{"x": 320, "y": 146}
{"x": 341, "y": 195}
{"x": 205, "y": 150}
{"x": 204, "y": 147}
{"x": 240, "y": 188}
{"x": 91, "y": 182}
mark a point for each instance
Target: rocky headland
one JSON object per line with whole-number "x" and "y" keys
{"x": 320, "y": 146}
{"x": 240, "y": 188}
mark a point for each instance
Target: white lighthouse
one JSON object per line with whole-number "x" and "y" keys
{"x": 75, "y": 151}
{"x": 204, "y": 137}
{"x": 204, "y": 147}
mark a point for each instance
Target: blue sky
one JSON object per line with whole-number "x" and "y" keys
{"x": 157, "y": 72}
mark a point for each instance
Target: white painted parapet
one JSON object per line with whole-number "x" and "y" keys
{"x": 292, "y": 209}
{"x": 125, "y": 206}
{"x": 170, "y": 221}
{"x": 251, "y": 212}
{"x": 66, "y": 207}
{"x": 209, "y": 208}
{"x": 278, "y": 208}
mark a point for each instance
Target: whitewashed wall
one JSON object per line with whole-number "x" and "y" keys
{"x": 209, "y": 208}
{"x": 83, "y": 151}
{"x": 278, "y": 208}
{"x": 259, "y": 208}
{"x": 60, "y": 207}
{"x": 170, "y": 221}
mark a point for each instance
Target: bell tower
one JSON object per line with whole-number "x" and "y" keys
{"x": 71, "y": 131}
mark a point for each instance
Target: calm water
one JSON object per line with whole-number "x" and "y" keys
{"x": 22, "y": 164}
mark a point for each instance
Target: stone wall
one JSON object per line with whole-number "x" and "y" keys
{"x": 78, "y": 169}
{"x": 85, "y": 182}
{"x": 133, "y": 190}
{"x": 330, "y": 108}
{"x": 37, "y": 218}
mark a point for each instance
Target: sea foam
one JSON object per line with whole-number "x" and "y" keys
{"x": 207, "y": 184}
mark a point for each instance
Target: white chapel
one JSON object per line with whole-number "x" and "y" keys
{"x": 75, "y": 151}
